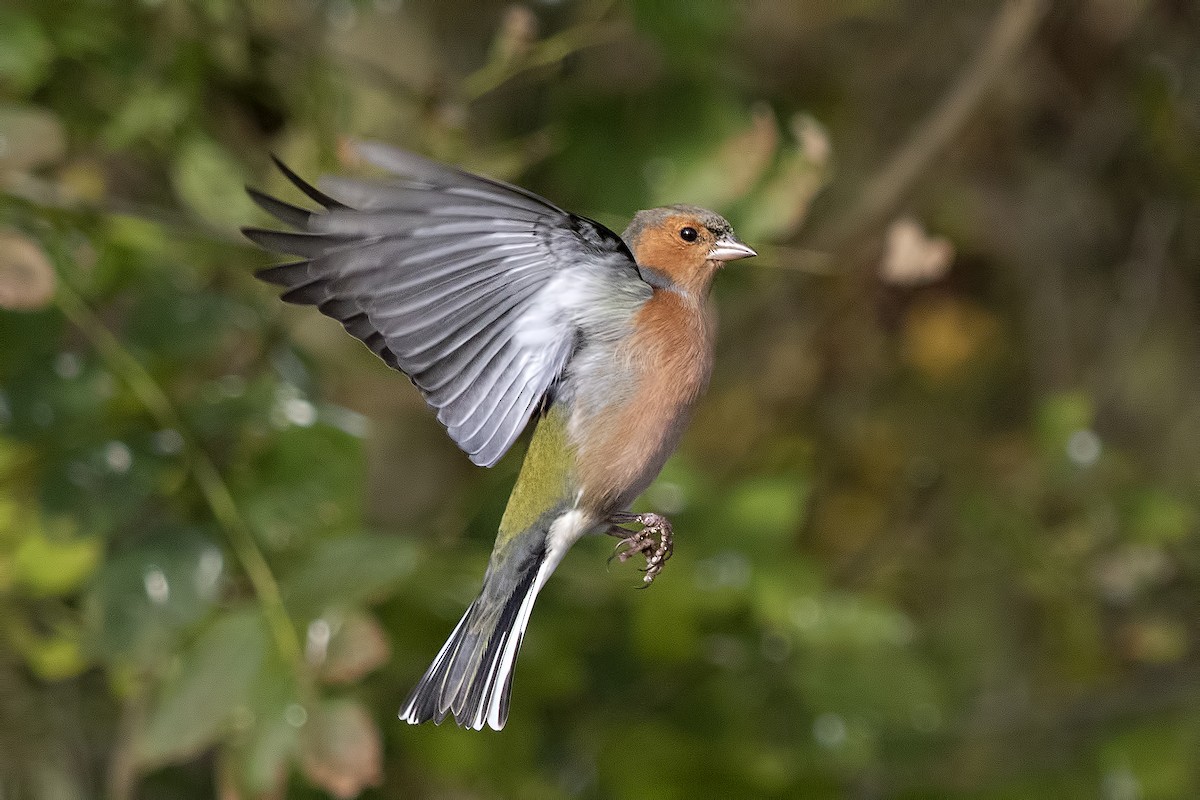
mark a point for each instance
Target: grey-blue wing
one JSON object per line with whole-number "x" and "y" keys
{"x": 472, "y": 287}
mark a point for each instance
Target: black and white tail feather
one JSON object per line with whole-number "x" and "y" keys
{"x": 471, "y": 677}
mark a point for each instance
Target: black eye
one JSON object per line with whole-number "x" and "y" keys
{"x": 688, "y": 234}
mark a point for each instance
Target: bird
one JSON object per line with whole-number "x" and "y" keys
{"x": 508, "y": 312}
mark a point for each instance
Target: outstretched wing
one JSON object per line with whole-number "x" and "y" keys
{"x": 472, "y": 287}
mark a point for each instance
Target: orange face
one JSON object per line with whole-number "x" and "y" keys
{"x": 681, "y": 247}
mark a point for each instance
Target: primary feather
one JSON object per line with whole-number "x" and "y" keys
{"x": 474, "y": 288}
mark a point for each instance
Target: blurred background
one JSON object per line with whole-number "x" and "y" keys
{"x": 936, "y": 518}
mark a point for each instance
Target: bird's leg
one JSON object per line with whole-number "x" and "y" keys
{"x": 654, "y": 540}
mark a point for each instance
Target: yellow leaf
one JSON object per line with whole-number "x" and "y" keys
{"x": 53, "y": 562}
{"x": 943, "y": 335}
{"x": 54, "y": 656}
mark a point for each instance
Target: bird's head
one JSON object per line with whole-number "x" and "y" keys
{"x": 682, "y": 246}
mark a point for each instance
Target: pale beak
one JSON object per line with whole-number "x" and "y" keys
{"x": 730, "y": 250}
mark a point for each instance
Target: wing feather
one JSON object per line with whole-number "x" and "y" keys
{"x": 474, "y": 288}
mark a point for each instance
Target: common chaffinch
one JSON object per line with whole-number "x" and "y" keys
{"x": 501, "y": 308}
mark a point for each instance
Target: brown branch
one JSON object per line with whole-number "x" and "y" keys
{"x": 1011, "y": 31}
{"x": 544, "y": 53}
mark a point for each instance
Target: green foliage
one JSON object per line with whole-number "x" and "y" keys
{"x": 27, "y": 52}
{"x": 213, "y": 683}
{"x": 345, "y": 571}
{"x": 936, "y": 518}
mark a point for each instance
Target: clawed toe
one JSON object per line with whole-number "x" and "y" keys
{"x": 654, "y": 541}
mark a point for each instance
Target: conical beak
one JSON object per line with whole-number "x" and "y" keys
{"x": 730, "y": 250}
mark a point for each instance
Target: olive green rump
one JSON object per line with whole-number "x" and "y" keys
{"x": 546, "y": 479}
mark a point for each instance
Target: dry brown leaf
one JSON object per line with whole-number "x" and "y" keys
{"x": 813, "y": 140}
{"x": 912, "y": 256}
{"x": 341, "y": 750}
{"x": 782, "y": 201}
{"x": 27, "y": 278}
{"x": 33, "y": 137}
{"x": 357, "y": 647}
{"x": 518, "y": 31}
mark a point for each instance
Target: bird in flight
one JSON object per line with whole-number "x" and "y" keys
{"x": 503, "y": 308}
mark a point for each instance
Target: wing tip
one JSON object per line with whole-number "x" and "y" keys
{"x": 284, "y": 275}
{"x": 313, "y": 193}
{"x": 481, "y": 460}
{"x": 256, "y": 235}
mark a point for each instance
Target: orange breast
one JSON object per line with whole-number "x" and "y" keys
{"x": 625, "y": 445}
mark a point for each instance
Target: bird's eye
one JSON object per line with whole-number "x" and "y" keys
{"x": 688, "y": 234}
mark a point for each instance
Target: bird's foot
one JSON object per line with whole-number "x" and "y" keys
{"x": 654, "y": 541}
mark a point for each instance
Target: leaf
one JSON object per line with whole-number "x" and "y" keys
{"x": 210, "y": 182}
{"x": 781, "y": 204}
{"x": 347, "y": 571}
{"x": 214, "y": 681}
{"x": 33, "y": 137}
{"x": 912, "y": 257}
{"x": 1061, "y": 415}
{"x": 341, "y": 750}
{"x": 263, "y": 764}
{"x": 943, "y": 336}
{"x": 149, "y": 111}
{"x": 1159, "y": 517}
{"x": 769, "y": 508}
{"x": 258, "y": 757}
{"x": 27, "y": 278}
{"x": 307, "y": 481}
{"x": 146, "y": 595}
{"x": 25, "y": 51}
{"x": 55, "y": 562}
{"x": 727, "y": 173}
{"x": 356, "y": 647}
{"x": 54, "y": 655}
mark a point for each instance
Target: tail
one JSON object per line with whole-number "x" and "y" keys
{"x": 471, "y": 677}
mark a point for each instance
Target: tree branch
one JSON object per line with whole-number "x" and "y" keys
{"x": 1009, "y": 34}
